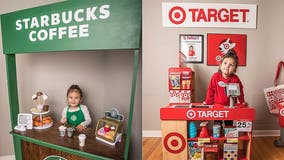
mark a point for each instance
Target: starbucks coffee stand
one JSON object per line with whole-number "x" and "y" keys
{"x": 69, "y": 26}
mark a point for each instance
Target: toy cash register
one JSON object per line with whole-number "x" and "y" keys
{"x": 232, "y": 90}
{"x": 25, "y": 121}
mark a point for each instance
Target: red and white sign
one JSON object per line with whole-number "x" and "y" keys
{"x": 174, "y": 142}
{"x": 219, "y": 44}
{"x": 244, "y": 126}
{"x": 174, "y": 96}
{"x": 185, "y": 96}
{"x": 209, "y": 15}
{"x": 215, "y": 113}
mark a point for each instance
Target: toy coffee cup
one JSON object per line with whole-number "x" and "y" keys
{"x": 62, "y": 131}
{"x": 82, "y": 140}
{"x": 70, "y": 131}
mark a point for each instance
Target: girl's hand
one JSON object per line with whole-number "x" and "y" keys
{"x": 63, "y": 121}
{"x": 80, "y": 128}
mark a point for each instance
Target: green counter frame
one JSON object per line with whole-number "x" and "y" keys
{"x": 123, "y": 22}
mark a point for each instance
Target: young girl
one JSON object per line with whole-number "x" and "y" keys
{"x": 75, "y": 113}
{"x": 191, "y": 51}
{"x": 226, "y": 74}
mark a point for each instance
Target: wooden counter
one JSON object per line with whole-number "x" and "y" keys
{"x": 38, "y": 144}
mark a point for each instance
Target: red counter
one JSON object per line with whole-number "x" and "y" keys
{"x": 174, "y": 126}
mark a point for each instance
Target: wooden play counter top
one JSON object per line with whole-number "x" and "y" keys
{"x": 38, "y": 144}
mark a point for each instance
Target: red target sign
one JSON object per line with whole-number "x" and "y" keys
{"x": 177, "y": 15}
{"x": 282, "y": 112}
{"x": 219, "y": 44}
{"x": 174, "y": 142}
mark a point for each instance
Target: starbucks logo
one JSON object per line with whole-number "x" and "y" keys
{"x": 73, "y": 117}
{"x": 54, "y": 157}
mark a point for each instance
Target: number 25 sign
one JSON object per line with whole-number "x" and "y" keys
{"x": 244, "y": 126}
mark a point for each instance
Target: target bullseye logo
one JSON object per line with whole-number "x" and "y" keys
{"x": 174, "y": 142}
{"x": 190, "y": 114}
{"x": 218, "y": 58}
{"x": 177, "y": 15}
{"x": 226, "y": 46}
{"x": 282, "y": 112}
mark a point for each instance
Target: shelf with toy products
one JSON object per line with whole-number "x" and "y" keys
{"x": 223, "y": 138}
{"x": 181, "y": 85}
{"x": 185, "y": 127}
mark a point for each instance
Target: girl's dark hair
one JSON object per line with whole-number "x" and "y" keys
{"x": 75, "y": 88}
{"x": 231, "y": 54}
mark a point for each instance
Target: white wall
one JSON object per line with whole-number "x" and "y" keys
{"x": 160, "y": 46}
{"x": 104, "y": 76}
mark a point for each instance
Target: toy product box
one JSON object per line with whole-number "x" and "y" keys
{"x": 180, "y": 96}
{"x": 174, "y": 96}
{"x": 181, "y": 85}
{"x": 231, "y": 132}
{"x": 180, "y": 78}
{"x": 211, "y": 151}
{"x": 230, "y": 151}
{"x": 185, "y": 96}
{"x": 195, "y": 151}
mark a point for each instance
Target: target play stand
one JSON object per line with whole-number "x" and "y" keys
{"x": 174, "y": 120}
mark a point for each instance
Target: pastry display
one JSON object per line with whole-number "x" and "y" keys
{"x": 41, "y": 120}
{"x": 109, "y": 128}
{"x": 39, "y": 99}
{"x": 46, "y": 120}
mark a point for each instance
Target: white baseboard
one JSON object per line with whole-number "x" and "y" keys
{"x": 9, "y": 157}
{"x": 151, "y": 133}
{"x": 255, "y": 133}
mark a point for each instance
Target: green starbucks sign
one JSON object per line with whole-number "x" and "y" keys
{"x": 73, "y": 25}
{"x": 64, "y": 26}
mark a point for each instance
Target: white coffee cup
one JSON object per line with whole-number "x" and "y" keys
{"x": 62, "y": 130}
{"x": 82, "y": 139}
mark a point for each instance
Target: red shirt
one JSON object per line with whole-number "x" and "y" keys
{"x": 191, "y": 53}
{"x": 216, "y": 89}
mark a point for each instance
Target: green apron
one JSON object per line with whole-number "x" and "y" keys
{"x": 75, "y": 118}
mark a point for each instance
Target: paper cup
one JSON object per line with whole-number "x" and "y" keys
{"x": 70, "y": 131}
{"x": 62, "y": 130}
{"x": 82, "y": 139}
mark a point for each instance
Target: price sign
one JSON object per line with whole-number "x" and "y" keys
{"x": 244, "y": 126}
{"x": 232, "y": 140}
{"x": 203, "y": 140}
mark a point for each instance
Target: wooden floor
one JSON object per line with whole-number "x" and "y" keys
{"x": 262, "y": 149}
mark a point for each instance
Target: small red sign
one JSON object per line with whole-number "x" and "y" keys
{"x": 219, "y": 44}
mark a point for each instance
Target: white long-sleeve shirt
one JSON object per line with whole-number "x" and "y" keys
{"x": 85, "y": 111}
